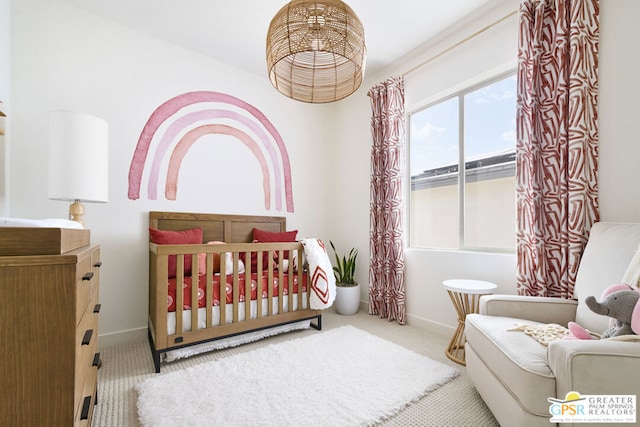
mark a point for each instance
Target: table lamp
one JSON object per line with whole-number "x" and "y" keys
{"x": 78, "y": 160}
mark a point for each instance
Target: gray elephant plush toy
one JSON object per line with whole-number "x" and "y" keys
{"x": 622, "y": 304}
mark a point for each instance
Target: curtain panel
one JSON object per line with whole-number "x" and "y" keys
{"x": 557, "y": 142}
{"x": 386, "y": 262}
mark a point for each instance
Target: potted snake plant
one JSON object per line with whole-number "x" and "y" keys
{"x": 347, "y": 289}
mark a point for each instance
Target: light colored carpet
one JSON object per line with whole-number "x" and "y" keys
{"x": 453, "y": 404}
{"x": 338, "y": 377}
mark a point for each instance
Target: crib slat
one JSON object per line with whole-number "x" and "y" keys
{"x": 247, "y": 285}
{"x": 270, "y": 291}
{"x": 280, "y": 290}
{"x": 285, "y": 283}
{"x": 208, "y": 293}
{"x": 194, "y": 291}
{"x": 236, "y": 288}
{"x": 302, "y": 273}
{"x": 290, "y": 279}
{"x": 281, "y": 279}
{"x": 259, "y": 283}
{"x": 179, "y": 292}
{"x": 158, "y": 291}
{"x": 223, "y": 288}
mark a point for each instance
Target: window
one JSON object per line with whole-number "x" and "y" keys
{"x": 462, "y": 168}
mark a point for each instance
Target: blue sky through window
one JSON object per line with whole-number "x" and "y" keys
{"x": 489, "y": 126}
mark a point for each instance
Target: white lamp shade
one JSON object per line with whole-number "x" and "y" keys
{"x": 78, "y": 157}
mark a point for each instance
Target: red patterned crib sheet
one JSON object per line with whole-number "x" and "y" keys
{"x": 202, "y": 286}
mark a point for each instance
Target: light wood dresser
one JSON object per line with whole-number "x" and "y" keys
{"x": 49, "y": 307}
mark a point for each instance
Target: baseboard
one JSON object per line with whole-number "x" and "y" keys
{"x": 122, "y": 337}
{"x": 131, "y": 335}
{"x": 422, "y": 323}
{"x": 430, "y": 325}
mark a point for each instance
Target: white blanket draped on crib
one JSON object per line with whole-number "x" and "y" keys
{"x": 323, "y": 282}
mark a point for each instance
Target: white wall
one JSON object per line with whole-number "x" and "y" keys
{"x": 494, "y": 50}
{"x": 5, "y": 79}
{"x": 63, "y": 57}
{"x": 618, "y": 111}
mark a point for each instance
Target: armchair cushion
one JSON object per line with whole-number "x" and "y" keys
{"x": 605, "y": 261}
{"x": 594, "y": 366}
{"x": 537, "y": 309}
{"x": 519, "y": 361}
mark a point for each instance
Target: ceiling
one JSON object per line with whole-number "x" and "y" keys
{"x": 234, "y": 31}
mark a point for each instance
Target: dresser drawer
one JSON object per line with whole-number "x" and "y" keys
{"x": 87, "y": 336}
{"x": 87, "y": 289}
{"x": 95, "y": 280}
{"x": 86, "y": 351}
{"x": 87, "y": 400}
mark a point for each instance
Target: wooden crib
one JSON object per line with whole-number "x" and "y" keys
{"x": 278, "y": 267}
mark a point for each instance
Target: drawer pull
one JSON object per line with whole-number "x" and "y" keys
{"x": 96, "y": 309}
{"x": 86, "y": 405}
{"x": 87, "y": 337}
{"x": 96, "y": 360}
{"x": 87, "y": 276}
{"x": 98, "y": 264}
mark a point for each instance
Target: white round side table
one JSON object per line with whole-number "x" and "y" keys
{"x": 465, "y": 295}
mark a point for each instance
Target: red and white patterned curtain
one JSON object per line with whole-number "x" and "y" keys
{"x": 386, "y": 263}
{"x": 557, "y": 142}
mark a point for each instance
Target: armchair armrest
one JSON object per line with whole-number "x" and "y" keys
{"x": 595, "y": 366}
{"x": 538, "y": 309}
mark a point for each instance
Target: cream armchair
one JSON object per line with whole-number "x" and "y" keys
{"x": 515, "y": 374}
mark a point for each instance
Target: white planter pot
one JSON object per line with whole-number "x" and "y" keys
{"x": 347, "y": 299}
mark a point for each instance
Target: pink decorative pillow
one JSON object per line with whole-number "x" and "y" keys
{"x": 202, "y": 260}
{"x": 184, "y": 237}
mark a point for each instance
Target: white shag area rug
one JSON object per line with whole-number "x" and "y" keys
{"x": 340, "y": 377}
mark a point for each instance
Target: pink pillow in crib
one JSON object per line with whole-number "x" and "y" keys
{"x": 183, "y": 237}
{"x": 202, "y": 260}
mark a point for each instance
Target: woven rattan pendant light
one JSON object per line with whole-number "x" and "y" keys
{"x": 316, "y": 51}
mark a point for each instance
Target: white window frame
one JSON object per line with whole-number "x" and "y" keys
{"x": 459, "y": 92}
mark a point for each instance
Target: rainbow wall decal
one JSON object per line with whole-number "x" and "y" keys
{"x": 178, "y": 123}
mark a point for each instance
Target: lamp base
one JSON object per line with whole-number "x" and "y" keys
{"x": 76, "y": 211}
